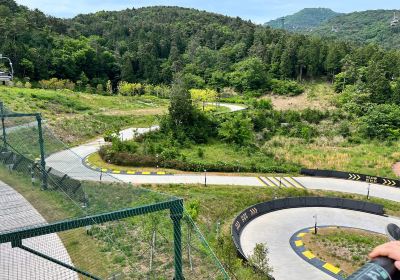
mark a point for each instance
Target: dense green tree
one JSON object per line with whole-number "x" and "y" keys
{"x": 154, "y": 44}
{"x": 238, "y": 130}
{"x": 249, "y": 75}
{"x": 382, "y": 121}
{"x": 377, "y": 83}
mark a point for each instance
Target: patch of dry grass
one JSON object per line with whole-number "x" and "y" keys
{"x": 316, "y": 96}
{"x": 372, "y": 158}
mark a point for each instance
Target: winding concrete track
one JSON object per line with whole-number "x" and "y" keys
{"x": 275, "y": 228}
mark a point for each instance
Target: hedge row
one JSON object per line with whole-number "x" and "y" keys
{"x": 137, "y": 160}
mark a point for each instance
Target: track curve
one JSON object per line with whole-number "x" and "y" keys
{"x": 283, "y": 223}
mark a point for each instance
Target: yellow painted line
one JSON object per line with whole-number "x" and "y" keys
{"x": 116, "y": 171}
{"x": 299, "y": 243}
{"x": 331, "y": 268}
{"x": 131, "y": 172}
{"x": 161, "y": 173}
{"x": 301, "y": 234}
{"x": 104, "y": 169}
{"x": 146, "y": 173}
{"x": 308, "y": 255}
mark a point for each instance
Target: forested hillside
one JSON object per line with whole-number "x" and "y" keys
{"x": 151, "y": 45}
{"x": 305, "y": 20}
{"x": 364, "y": 27}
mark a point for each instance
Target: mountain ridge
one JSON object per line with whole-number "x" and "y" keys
{"x": 362, "y": 27}
{"x": 304, "y": 20}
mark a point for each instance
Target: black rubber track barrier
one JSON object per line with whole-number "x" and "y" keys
{"x": 296, "y": 202}
{"x": 351, "y": 176}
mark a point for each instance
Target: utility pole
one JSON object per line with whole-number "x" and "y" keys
{"x": 2, "y": 124}
{"x": 42, "y": 155}
{"x": 315, "y": 224}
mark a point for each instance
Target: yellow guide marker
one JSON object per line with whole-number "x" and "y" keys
{"x": 116, "y": 171}
{"x": 299, "y": 243}
{"x": 161, "y": 173}
{"x": 104, "y": 170}
{"x": 301, "y": 234}
{"x": 146, "y": 173}
{"x": 308, "y": 255}
{"x": 131, "y": 172}
{"x": 331, "y": 268}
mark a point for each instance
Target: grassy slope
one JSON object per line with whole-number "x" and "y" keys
{"x": 370, "y": 157}
{"x": 76, "y": 117}
{"x": 332, "y": 151}
{"x": 96, "y": 255}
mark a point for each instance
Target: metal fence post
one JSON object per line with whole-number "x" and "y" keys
{"x": 42, "y": 155}
{"x": 2, "y": 124}
{"x": 176, "y": 216}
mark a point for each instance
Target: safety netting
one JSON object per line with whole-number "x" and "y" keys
{"x": 60, "y": 219}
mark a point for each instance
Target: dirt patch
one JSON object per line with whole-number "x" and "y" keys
{"x": 316, "y": 96}
{"x": 138, "y": 112}
{"x": 343, "y": 247}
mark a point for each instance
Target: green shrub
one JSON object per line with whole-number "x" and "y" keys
{"x": 200, "y": 153}
{"x": 139, "y": 160}
{"x": 55, "y": 83}
{"x": 286, "y": 87}
{"x": 313, "y": 115}
{"x": 238, "y": 130}
{"x": 381, "y": 122}
{"x": 124, "y": 146}
{"x": 170, "y": 153}
{"x": 125, "y": 88}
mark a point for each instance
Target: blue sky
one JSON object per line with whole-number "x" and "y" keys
{"x": 258, "y": 11}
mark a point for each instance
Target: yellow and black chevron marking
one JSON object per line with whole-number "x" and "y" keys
{"x": 296, "y": 242}
{"x": 89, "y": 165}
{"x": 281, "y": 182}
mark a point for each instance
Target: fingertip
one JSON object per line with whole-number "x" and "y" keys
{"x": 397, "y": 264}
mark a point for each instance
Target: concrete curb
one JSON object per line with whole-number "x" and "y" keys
{"x": 93, "y": 167}
{"x": 296, "y": 242}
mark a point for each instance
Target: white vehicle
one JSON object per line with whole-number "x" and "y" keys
{"x": 6, "y": 77}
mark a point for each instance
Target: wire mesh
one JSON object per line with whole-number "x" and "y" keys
{"x": 136, "y": 247}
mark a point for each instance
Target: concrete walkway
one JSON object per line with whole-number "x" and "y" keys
{"x": 16, "y": 212}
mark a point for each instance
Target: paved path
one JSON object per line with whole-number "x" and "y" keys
{"x": 231, "y": 107}
{"x": 17, "y": 212}
{"x": 276, "y": 228}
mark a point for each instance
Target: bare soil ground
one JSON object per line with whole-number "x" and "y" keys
{"x": 316, "y": 96}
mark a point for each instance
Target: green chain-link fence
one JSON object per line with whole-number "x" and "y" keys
{"x": 59, "y": 221}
